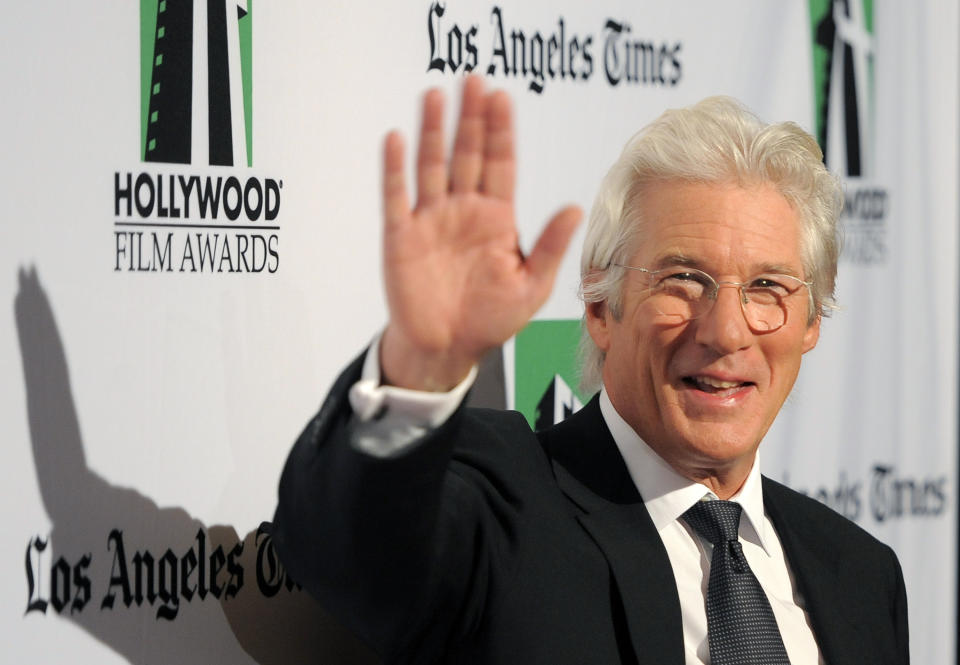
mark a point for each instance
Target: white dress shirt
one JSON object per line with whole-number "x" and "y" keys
{"x": 667, "y": 495}
{"x": 391, "y": 418}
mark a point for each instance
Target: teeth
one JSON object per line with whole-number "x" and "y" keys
{"x": 716, "y": 383}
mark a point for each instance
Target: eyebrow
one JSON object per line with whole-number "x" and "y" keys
{"x": 676, "y": 259}
{"x": 679, "y": 259}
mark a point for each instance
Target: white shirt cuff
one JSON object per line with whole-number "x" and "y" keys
{"x": 391, "y": 419}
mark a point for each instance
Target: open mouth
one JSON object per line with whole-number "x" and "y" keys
{"x": 716, "y": 387}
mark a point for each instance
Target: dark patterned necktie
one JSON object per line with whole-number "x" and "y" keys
{"x": 741, "y": 627}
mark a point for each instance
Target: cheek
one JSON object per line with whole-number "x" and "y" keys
{"x": 629, "y": 356}
{"x": 664, "y": 349}
{"x": 783, "y": 362}
{"x": 670, "y": 344}
{"x": 642, "y": 351}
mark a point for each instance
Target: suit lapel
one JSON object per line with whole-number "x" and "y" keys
{"x": 815, "y": 569}
{"x": 590, "y": 471}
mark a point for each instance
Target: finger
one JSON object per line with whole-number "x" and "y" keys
{"x": 547, "y": 254}
{"x": 499, "y": 160}
{"x": 396, "y": 203}
{"x": 467, "y": 162}
{"x": 431, "y": 166}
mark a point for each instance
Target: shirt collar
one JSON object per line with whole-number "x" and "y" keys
{"x": 666, "y": 494}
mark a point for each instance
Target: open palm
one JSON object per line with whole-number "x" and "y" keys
{"x": 456, "y": 281}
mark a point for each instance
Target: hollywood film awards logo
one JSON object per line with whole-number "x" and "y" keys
{"x": 844, "y": 77}
{"x": 195, "y": 205}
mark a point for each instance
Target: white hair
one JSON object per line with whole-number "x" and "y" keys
{"x": 714, "y": 141}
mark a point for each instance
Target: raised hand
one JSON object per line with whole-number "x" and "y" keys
{"x": 457, "y": 283}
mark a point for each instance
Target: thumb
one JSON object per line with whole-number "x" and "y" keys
{"x": 544, "y": 260}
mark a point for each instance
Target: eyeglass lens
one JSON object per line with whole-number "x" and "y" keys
{"x": 688, "y": 294}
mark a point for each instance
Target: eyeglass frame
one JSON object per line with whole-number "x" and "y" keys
{"x": 740, "y": 286}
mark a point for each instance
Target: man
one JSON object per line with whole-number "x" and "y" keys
{"x": 446, "y": 535}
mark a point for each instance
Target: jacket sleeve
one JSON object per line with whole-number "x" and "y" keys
{"x": 397, "y": 548}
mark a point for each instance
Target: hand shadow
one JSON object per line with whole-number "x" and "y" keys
{"x": 143, "y": 558}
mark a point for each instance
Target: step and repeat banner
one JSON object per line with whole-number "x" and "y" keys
{"x": 190, "y": 252}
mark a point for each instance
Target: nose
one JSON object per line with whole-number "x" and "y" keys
{"x": 723, "y": 328}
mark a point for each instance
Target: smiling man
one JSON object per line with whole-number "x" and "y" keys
{"x": 640, "y": 530}
{"x": 698, "y": 365}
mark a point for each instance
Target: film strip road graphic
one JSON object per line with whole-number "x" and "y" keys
{"x": 199, "y": 95}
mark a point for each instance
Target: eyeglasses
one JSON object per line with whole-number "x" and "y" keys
{"x": 683, "y": 294}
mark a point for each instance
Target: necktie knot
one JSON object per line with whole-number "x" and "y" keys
{"x": 717, "y": 521}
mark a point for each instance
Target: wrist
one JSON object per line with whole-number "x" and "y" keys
{"x": 406, "y": 365}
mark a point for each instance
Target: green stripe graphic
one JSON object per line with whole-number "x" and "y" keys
{"x": 148, "y": 27}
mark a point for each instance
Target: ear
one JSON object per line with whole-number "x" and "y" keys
{"x": 811, "y": 335}
{"x": 596, "y": 317}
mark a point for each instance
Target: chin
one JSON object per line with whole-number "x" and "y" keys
{"x": 722, "y": 445}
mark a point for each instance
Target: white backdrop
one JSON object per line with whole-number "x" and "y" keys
{"x": 153, "y": 409}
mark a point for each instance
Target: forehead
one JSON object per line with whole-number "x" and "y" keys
{"x": 717, "y": 226}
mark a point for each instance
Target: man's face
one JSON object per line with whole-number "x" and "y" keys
{"x": 703, "y": 393}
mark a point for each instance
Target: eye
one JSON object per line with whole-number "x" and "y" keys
{"x": 687, "y": 284}
{"x": 772, "y": 287}
{"x": 768, "y": 282}
{"x": 686, "y": 276}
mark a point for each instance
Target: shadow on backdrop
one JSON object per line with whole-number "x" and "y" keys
{"x": 154, "y": 584}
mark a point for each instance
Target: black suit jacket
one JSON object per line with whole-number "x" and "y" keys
{"x": 487, "y": 543}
